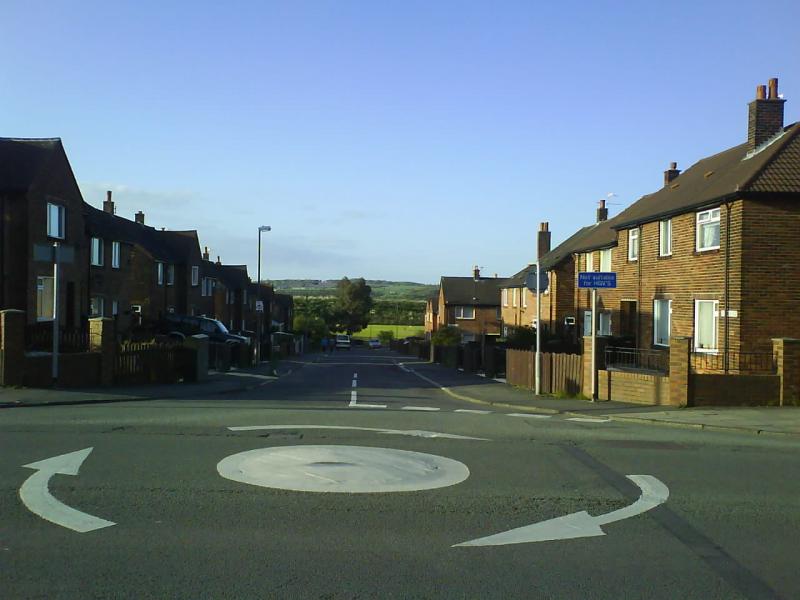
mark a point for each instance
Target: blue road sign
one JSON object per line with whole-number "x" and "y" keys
{"x": 597, "y": 280}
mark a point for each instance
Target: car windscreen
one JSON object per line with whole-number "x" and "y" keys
{"x": 222, "y": 327}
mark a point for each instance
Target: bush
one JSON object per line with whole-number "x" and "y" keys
{"x": 446, "y": 336}
{"x": 385, "y": 337}
{"x": 521, "y": 338}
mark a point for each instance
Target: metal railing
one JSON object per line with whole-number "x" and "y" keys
{"x": 637, "y": 359}
{"x": 743, "y": 363}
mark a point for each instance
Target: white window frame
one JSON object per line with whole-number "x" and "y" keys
{"x": 633, "y": 244}
{"x": 505, "y": 296}
{"x": 600, "y": 329}
{"x": 697, "y": 347}
{"x": 524, "y": 293}
{"x": 195, "y": 275}
{"x": 160, "y": 273}
{"x": 656, "y": 314}
{"x": 170, "y": 274}
{"x": 97, "y": 252}
{"x": 39, "y": 292}
{"x": 114, "y": 308}
{"x": 603, "y": 254}
{"x": 665, "y": 234}
{"x": 703, "y": 219}
{"x": 102, "y": 305}
{"x": 115, "y": 255}
{"x": 514, "y": 295}
{"x": 460, "y": 310}
{"x": 589, "y": 261}
{"x": 56, "y": 230}
{"x": 587, "y": 323}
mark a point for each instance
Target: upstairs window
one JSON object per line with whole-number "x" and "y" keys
{"x": 505, "y": 296}
{"x": 171, "y": 275}
{"x": 708, "y": 230}
{"x": 115, "y": 255}
{"x": 524, "y": 293}
{"x": 55, "y": 221}
{"x": 633, "y": 244}
{"x": 590, "y": 261}
{"x": 605, "y": 260}
{"x": 665, "y": 237}
{"x": 465, "y": 312}
{"x": 97, "y": 252}
{"x": 195, "y": 275}
{"x": 514, "y": 297}
{"x": 160, "y": 273}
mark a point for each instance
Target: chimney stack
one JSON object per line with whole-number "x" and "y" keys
{"x": 476, "y": 273}
{"x": 543, "y": 240}
{"x": 108, "y": 205}
{"x": 765, "y": 118}
{"x": 140, "y": 218}
{"x": 602, "y": 211}
{"x": 219, "y": 262}
{"x": 671, "y": 173}
{"x": 205, "y": 253}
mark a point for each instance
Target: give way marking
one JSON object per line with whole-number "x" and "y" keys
{"x": 580, "y": 524}
{"x": 35, "y": 493}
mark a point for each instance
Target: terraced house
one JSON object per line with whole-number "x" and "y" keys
{"x": 713, "y": 254}
{"x": 470, "y": 303}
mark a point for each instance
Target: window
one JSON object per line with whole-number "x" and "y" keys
{"x": 160, "y": 273}
{"x": 587, "y": 323}
{"x": 195, "y": 275}
{"x": 115, "y": 255}
{"x": 604, "y": 322}
{"x": 665, "y": 238}
{"x": 97, "y": 252}
{"x": 706, "y": 316}
{"x": 708, "y": 230}
{"x": 465, "y": 312}
{"x": 244, "y": 299}
{"x": 44, "y": 298}
{"x": 96, "y": 306}
{"x": 605, "y": 260}
{"x": 514, "y": 297}
{"x": 468, "y": 337}
{"x": 590, "y": 261}
{"x": 170, "y": 274}
{"x": 661, "y": 321}
{"x": 524, "y": 293}
{"x": 204, "y": 286}
{"x": 633, "y": 244}
{"x": 55, "y": 221}
{"x": 114, "y": 308}
{"x": 505, "y": 296}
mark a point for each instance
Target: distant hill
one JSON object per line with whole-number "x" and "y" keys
{"x": 381, "y": 290}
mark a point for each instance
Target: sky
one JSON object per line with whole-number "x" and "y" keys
{"x": 389, "y": 140}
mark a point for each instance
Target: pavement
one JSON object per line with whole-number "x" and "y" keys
{"x": 353, "y": 477}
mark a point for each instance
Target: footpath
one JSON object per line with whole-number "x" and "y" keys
{"x": 767, "y": 420}
{"x": 236, "y": 380}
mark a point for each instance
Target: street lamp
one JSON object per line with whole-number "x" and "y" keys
{"x": 261, "y": 230}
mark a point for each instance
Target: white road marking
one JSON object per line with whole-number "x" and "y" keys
{"x": 580, "y": 524}
{"x": 588, "y": 420}
{"x": 411, "y": 432}
{"x": 253, "y": 375}
{"x": 35, "y": 493}
{"x": 343, "y": 469}
{"x": 355, "y": 375}
{"x": 423, "y": 408}
{"x": 529, "y": 415}
{"x": 362, "y": 405}
{"x": 353, "y": 398}
{"x": 473, "y": 411}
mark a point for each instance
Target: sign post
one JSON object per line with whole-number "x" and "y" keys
{"x": 541, "y": 283}
{"x": 594, "y": 280}
{"x": 55, "y": 312}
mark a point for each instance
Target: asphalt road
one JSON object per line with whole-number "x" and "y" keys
{"x": 729, "y": 528}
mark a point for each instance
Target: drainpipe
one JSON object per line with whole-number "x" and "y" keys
{"x": 727, "y": 271}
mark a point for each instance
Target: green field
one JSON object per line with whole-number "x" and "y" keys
{"x": 400, "y": 331}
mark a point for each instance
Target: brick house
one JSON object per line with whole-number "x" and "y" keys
{"x": 431, "y": 316}
{"x": 470, "y": 303}
{"x": 712, "y": 255}
{"x": 41, "y": 204}
{"x": 138, "y": 273}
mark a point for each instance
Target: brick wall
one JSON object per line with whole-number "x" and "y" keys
{"x": 735, "y": 390}
{"x": 639, "y": 388}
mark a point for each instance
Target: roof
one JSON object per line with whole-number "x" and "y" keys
{"x": 169, "y": 246}
{"x": 23, "y": 160}
{"x": 773, "y": 168}
{"x": 233, "y": 276}
{"x": 484, "y": 291}
{"x": 597, "y": 237}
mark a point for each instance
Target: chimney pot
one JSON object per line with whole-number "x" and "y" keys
{"x": 108, "y": 205}
{"x": 671, "y": 173}
{"x": 761, "y": 92}
{"x": 205, "y": 253}
{"x": 140, "y": 218}
{"x": 476, "y": 273}
{"x": 543, "y": 239}
{"x": 773, "y": 88}
{"x": 602, "y": 211}
{"x": 765, "y": 115}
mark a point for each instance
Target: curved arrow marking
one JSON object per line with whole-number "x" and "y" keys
{"x": 35, "y": 493}
{"x": 580, "y": 524}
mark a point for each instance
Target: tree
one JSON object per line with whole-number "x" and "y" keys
{"x": 312, "y": 326}
{"x": 385, "y": 337}
{"x": 352, "y": 305}
{"x": 446, "y": 336}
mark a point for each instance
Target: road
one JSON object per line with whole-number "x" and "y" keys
{"x": 308, "y": 487}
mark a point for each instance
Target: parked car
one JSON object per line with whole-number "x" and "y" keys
{"x": 185, "y": 325}
{"x": 374, "y": 344}
{"x": 343, "y": 342}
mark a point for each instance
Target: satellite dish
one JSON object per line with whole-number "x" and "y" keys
{"x": 530, "y": 281}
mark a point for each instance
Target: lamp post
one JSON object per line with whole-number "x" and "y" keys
{"x": 261, "y": 230}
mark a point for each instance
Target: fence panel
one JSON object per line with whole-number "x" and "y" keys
{"x": 150, "y": 363}
{"x": 39, "y": 338}
{"x": 560, "y": 373}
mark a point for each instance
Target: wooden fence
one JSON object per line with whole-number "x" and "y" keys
{"x": 561, "y": 373}
{"x": 138, "y": 363}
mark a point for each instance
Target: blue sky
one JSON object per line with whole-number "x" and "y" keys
{"x": 390, "y": 140}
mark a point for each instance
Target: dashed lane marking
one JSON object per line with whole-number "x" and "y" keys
{"x": 422, "y": 408}
{"x": 588, "y": 420}
{"x": 529, "y": 415}
{"x": 472, "y": 411}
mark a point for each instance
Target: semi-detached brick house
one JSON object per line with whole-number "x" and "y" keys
{"x": 470, "y": 303}
{"x": 431, "y": 316}
{"x": 40, "y": 204}
{"x": 713, "y": 254}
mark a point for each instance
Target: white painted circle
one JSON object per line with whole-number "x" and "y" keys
{"x": 346, "y": 469}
